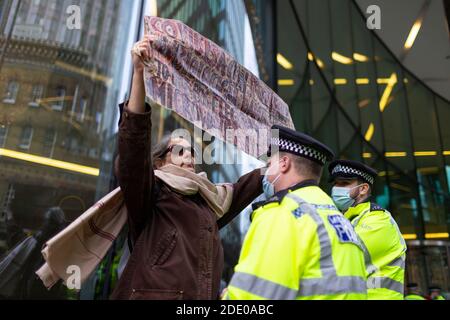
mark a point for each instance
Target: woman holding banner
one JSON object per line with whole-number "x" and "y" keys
{"x": 174, "y": 213}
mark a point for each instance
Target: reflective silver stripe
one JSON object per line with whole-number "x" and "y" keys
{"x": 262, "y": 287}
{"x": 324, "y": 206}
{"x": 370, "y": 267}
{"x": 356, "y": 220}
{"x": 399, "y": 262}
{"x": 386, "y": 283}
{"x": 398, "y": 231}
{"x": 326, "y": 259}
{"x": 332, "y": 285}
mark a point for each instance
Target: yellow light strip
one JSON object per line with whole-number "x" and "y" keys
{"x": 411, "y": 236}
{"x": 285, "y": 63}
{"x": 340, "y": 58}
{"x": 339, "y": 81}
{"x": 55, "y": 99}
{"x": 285, "y": 82}
{"x": 367, "y": 155}
{"x": 360, "y": 57}
{"x": 436, "y": 235}
{"x": 425, "y": 153}
{"x": 320, "y": 63}
{"x": 384, "y": 173}
{"x": 399, "y": 187}
{"x": 362, "y": 81}
{"x": 446, "y": 153}
{"x": 387, "y": 92}
{"x": 383, "y": 80}
{"x": 416, "y": 153}
{"x": 369, "y": 133}
{"x": 49, "y": 162}
{"x": 413, "y": 34}
{"x": 91, "y": 74}
{"x": 395, "y": 154}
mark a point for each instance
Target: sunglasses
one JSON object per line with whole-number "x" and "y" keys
{"x": 179, "y": 149}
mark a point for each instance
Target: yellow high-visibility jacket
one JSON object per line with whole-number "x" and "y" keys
{"x": 385, "y": 250}
{"x": 414, "y": 297}
{"x": 299, "y": 246}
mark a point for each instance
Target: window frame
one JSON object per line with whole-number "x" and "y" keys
{"x": 13, "y": 100}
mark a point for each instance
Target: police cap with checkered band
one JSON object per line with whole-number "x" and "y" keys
{"x": 350, "y": 169}
{"x": 299, "y": 144}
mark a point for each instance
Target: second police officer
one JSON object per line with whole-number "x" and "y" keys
{"x": 384, "y": 246}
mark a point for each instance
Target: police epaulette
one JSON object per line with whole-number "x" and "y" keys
{"x": 256, "y": 205}
{"x": 259, "y": 204}
{"x": 376, "y": 207}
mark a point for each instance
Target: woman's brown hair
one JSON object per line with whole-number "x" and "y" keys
{"x": 159, "y": 151}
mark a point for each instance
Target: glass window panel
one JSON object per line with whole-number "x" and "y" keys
{"x": 423, "y": 119}
{"x": 395, "y": 114}
{"x": 3, "y": 134}
{"x": 58, "y": 99}
{"x": 367, "y": 88}
{"x": 433, "y": 198}
{"x": 416, "y": 271}
{"x": 443, "y": 115}
{"x": 292, "y": 63}
{"x": 436, "y": 258}
{"x": 12, "y": 89}
{"x": 350, "y": 143}
{"x": 319, "y": 28}
{"x": 60, "y": 70}
{"x": 343, "y": 63}
{"x": 36, "y": 95}
{"x": 49, "y": 142}
{"x": 428, "y": 155}
{"x": 26, "y": 137}
{"x": 403, "y": 202}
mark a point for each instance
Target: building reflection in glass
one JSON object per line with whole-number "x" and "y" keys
{"x": 58, "y": 89}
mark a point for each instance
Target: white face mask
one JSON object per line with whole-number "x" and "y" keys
{"x": 341, "y": 197}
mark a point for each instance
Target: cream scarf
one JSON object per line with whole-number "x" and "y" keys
{"x": 218, "y": 196}
{"x": 76, "y": 251}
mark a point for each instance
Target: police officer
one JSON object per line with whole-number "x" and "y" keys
{"x": 413, "y": 292}
{"x": 383, "y": 243}
{"x": 434, "y": 293}
{"x": 298, "y": 246}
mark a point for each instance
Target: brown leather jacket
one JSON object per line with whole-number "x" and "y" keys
{"x": 176, "y": 248}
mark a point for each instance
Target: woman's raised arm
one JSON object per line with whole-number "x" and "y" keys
{"x": 135, "y": 168}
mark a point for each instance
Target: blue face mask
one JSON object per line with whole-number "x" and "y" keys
{"x": 268, "y": 187}
{"x": 341, "y": 197}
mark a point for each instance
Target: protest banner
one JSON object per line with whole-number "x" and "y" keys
{"x": 204, "y": 84}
